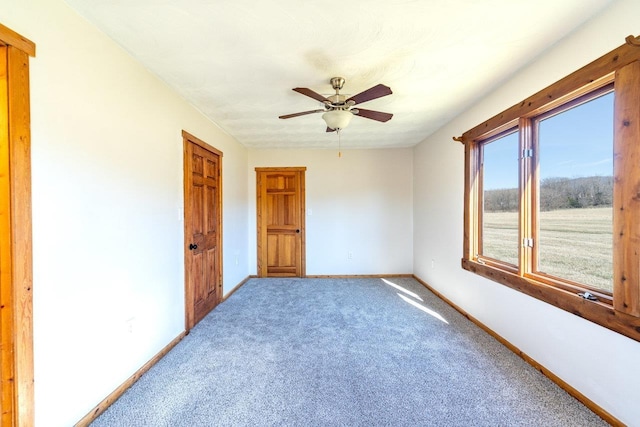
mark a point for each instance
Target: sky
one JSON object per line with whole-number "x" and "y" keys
{"x": 575, "y": 143}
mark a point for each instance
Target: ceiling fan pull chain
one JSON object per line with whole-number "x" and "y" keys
{"x": 339, "y": 151}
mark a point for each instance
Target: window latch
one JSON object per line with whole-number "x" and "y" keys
{"x": 588, "y": 295}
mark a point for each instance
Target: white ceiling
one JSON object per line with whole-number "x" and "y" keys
{"x": 238, "y": 60}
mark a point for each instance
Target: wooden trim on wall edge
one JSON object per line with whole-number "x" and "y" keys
{"x": 102, "y": 406}
{"x": 595, "y": 408}
{"x": 284, "y": 168}
{"x": 11, "y": 38}
{"x": 187, "y": 136}
{"x": 236, "y": 287}
{"x": 356, "y": 276}
{"x": 17, "y": 286}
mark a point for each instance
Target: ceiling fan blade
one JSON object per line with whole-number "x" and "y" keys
{"x": 374, "y": 115}
{"x": 330, "y": 130}
{"x": 311, "y": 94}
{"x": 377, "y": 91}
{"x": 288, "y": 116}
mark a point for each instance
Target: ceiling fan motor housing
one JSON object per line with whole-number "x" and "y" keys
{"x": 337, "y": 100}
{"x": 337, "y": 83}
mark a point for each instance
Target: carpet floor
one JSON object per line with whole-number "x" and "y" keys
{"x": 342, "y": 352}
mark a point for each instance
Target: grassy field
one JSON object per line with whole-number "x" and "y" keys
{"x": 575, "y": 244}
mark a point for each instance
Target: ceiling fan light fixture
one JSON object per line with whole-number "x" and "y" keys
{"x": 337, "y": 119}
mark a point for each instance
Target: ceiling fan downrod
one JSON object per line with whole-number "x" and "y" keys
{"x": 337, "y": 83}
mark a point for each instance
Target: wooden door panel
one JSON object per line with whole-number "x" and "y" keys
{"x": 198, "y": 276}
{"x": 282, "y": 250}
{"x": 203, "y": 220}
{"x": 281, "y": 181}
{"x": 282, "y": 210}
{"x": 280, "y": 221}
{"x": 205, "y": 263}
{"x": 197, "y": 212}
{"x": 212, "y": 268}
{"x": 278, "y": 253}
{"x": 211, "y": 170}
{"x": 272, "y": 255}
{"x": 210, "y": 198}
{"x": 282, "y": 254}
{"x": 211, "y": 274}
{"x": 197, "y": 166}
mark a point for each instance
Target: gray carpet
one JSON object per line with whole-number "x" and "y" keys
{"x": 349, "y": 352}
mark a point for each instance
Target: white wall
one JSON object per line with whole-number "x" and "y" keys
{"x": 601, "y": 364}
{"x": 107, "y": 206}
{"x": 360, "y": 203}
{"x": 107, "y": 197}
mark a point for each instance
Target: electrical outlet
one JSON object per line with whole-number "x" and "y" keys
{"x": 350, "y": 255}
{"x": 433, "y": 263}
{"x": 130, "y": 325}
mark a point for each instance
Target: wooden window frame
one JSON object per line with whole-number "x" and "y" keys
{"x": 619, "y": 311}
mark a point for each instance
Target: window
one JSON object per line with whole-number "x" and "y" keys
{"x": 500, "y": 198}
{"x": 574, "y": 176}
{"x": 551, "y": 194}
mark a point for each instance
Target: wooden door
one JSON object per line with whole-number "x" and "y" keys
{"x": 281, "y": 231}
{"x": 16, "y": 271}
{"x": 203, "y": 226}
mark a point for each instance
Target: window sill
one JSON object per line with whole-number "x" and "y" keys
{"x": 598, "y": 312}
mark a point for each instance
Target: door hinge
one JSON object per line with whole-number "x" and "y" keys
{"x": 527, "y": 243}
{"x": 527, "y": 153}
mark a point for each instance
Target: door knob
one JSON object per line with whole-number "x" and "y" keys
{"x": 298, "y": 230}
{"x": 193, "y": 246}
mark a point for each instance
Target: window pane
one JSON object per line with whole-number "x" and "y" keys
{"x": 500, "y": 199}
{"x": 575, "y": 239}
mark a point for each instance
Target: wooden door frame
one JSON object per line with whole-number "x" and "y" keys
{"x": 188, "y": 289}
{"x": 16, "y": 252}
{"x": 303, "y": 229}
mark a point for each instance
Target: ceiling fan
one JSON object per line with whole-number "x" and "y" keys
{"x": 339, "y": 110}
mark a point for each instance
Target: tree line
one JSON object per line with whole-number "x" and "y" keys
{"x": 556, "y": 193}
